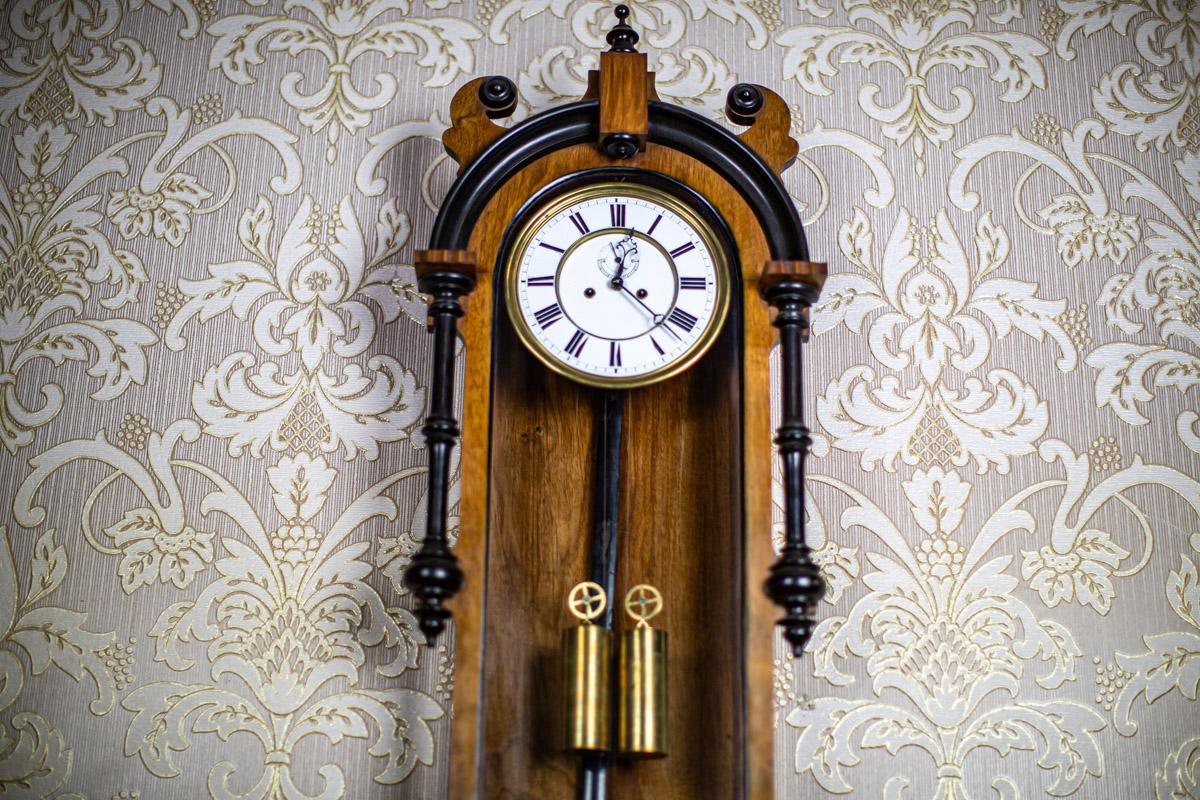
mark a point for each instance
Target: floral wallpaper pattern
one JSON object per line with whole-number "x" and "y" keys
{"x": 213, "y": 368}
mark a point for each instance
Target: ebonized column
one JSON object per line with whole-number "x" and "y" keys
{"x": 434, "y": 575}
{"x": 795, "y": 582}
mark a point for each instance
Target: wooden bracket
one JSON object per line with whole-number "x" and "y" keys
{"x": 624, "y": 103}
{"x": 472, "y": 110}
{"x": 439, "y": 270}
{"x": 624, "y": 87}
{"x": 770, "y": 123}
{"x": 427, "y": 263}
{"x": 810, "y": 273}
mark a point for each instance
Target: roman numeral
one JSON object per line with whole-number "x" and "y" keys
{"x": 654, "y": 225}
{"x": 614, "y": 354}
{"x": 548, "y": 315}
{"x": 657, "y": 346}
{"x": 580, "y": 222}
{"x": 575, "y": 346}
{"x": 683, "y": 248}
{"x": 617, "y": 212}
{"x": 682, "y": 319}
{"x": 552, "y": 247}
{"x": 691, "y": 283}
{"x": 541, "y": 280}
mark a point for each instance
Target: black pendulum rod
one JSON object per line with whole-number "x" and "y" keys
{"x": 795, "y": 582}
{"x": 593, "y": 771}
{"x": 434, "y": 575}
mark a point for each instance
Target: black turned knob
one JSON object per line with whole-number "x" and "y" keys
{"x": 795, "y": 584}
{"x": 433, "y": 577}
{"x": 743, "y": 103}
{"x": 620, "y": 145}
{"x": 622, "y": 38}
{"x": 498, "y": 95}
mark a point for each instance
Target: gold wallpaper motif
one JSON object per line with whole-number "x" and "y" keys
{"x": 213, "y": 367}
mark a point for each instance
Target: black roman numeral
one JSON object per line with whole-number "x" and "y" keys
{"x": 580, "y": 222}
{"x": 657, "y": 346}
{"x": 617, "y": 212}
{"x": 687, "y": 247}
{"x": 548, "y": 315}
{"x": 552, "y": 247}
{"x": 575, "y": 346}
{"x": 654, "y": 225}
{"x": 682, "y": 319}
{"x": 691, "y": 283}
{"x": 542, "y": 280}
{"x": 614, "y": 354}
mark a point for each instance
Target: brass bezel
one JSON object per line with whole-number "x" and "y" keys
{"x": 610, "y": 189}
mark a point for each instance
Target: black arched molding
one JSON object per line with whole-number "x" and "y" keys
{"x": 577, "y": 123}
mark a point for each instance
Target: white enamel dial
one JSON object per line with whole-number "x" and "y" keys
{"x": 617, "y": 285}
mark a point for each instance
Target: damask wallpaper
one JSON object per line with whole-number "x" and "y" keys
{"x": 213, "y": 365}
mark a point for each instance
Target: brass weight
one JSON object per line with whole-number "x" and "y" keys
{"x": 642, "y": 708}
{"x": 587, "y": 656}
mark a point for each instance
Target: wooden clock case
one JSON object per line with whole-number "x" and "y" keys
{"x": 693, "y": 515}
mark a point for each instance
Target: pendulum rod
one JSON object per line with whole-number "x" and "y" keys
{"x": 593, "y": 771}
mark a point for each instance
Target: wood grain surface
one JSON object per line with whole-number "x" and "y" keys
{"x": 770, "y": 135}
{"x": 623, "y": 95}
{"x": 690, "y": 517}
{"x": 471, "y": 129}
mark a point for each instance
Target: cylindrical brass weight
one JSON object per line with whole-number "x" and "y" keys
{"x": 587, "y": 654}
{"x": 642, "y": 710}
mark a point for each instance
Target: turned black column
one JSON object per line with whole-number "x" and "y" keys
{"x": 795, "y": 582}
{"x": 434, "y": 575}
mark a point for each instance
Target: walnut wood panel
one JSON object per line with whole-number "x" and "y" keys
{"x": 769, "y": 135}
{"x": 623, "y": 95}
{"x": 471, "y": 129}
{"x": 539, "y": 543}
{"x": 681, "y": 528}
{"x": 471, "y": 549}
{"x": 509, "y": 742}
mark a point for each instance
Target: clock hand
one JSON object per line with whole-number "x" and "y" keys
{"x": 616, "y": 281}
{"x": 655, "y": 316}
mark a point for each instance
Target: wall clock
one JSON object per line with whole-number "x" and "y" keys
{"x": 617, "y": 268}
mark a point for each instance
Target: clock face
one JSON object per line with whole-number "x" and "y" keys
{"x": 617, "y": 285}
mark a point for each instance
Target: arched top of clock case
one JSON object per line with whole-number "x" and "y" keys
{"x": 668, "y": 125}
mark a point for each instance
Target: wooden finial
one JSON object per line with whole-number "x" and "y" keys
{"x": 769, "y": 120}
{"x": 472, "y": 110}
{"x": 623, "y": 86}
{"x": 622, "y": 38}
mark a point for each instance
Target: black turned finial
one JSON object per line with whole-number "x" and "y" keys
{"x": 434, "y": 577}
{"x": 795, "y": 585}
{"x": 498, "y": 95}
{"x": 743, "y": 103}
{"x": 622, "y": 38}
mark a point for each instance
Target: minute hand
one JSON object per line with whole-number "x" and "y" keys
{"x": 658, "y": 318}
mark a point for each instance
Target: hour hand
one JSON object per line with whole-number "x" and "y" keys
{"x": 621, "y": 251}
